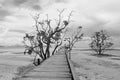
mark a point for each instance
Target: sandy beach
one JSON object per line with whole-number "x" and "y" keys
{"x": 92, "y": 67}
{"x": 12, "y": 62}
{"x": 87, "y": 65}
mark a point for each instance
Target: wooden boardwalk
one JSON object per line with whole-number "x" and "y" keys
{"x": 57, "y": 67}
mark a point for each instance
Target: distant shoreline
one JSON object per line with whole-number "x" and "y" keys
{"x": 91, "y": 49}
{"x": 12, "y": 47}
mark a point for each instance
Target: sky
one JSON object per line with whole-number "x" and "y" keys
{"x": 93, "y": 15}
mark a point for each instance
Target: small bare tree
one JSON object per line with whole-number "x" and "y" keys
{"x": 100, "y": 42}
{"x": 46, "y": 35}
{"x": 75, "y": 37}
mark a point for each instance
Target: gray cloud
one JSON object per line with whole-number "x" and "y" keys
{"x": 36, "y": 7}
{"x": 95, "y": 24}
{"x": 19, "y": 2}
{"x": 4, "y": 13}
{"x": 115, "y": 32}
{"x": 31, "y": 4}
{"x": 94, "y": 15}
{"x": 7, "y": 6}
{"x": 14, "y": 2}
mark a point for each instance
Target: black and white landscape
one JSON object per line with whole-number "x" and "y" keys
{"x": 88, "y": 29}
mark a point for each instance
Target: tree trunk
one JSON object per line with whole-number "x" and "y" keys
{"x": 34, "y": 62}
{"x": 41, "y": 50}
{"x": 47, "y": 52}
{"x": 100, "y": 50}
{"x": 54, "y": 49}
{"x": 70, "y": 53}
{"x": 38, "y": 61}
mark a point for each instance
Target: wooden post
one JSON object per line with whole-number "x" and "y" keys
{"x": 69, "y": 54}
{"x": 38, "y": 61}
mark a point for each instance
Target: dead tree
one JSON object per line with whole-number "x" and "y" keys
{"x": 75, "y": 37}
{"x": 101, "y": 41}
{"x": 46, "y": 35}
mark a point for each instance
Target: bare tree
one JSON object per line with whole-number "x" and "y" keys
{"x": 75, "y": 37}
{"x": 100, "y": 42}
{"x": 46, "y": 35}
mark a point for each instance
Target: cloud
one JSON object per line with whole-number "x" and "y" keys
{"x": 30, "y": 4}
{"x": 36, "y": 7}
{"x": 13, "y": 2}
{"x": 4, "y": 13}
{"x": 93, "y": 15}
{"x": 18, "y": 2}
{"x": 3, "y": 30}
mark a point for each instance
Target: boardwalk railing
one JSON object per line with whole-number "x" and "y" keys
{"x": 57, "y": 67}
{"x": 72, "y": 68}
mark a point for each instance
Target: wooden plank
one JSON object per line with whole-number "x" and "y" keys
{"x": 57, "y": 67}
{"x": 45, "y": 79}
{"x": 52, "y": 69}
{"x": 49, "y": 74}
{"x": 72, "y": 69}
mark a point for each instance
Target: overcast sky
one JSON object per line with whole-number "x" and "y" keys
{"x": 93, "y": 15}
